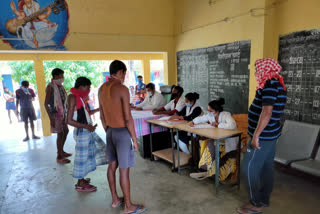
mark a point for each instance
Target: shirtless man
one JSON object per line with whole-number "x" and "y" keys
{"x": 117, "y": 120}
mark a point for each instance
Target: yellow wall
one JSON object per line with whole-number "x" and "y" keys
{"x": 121, "y": 25}
{"x": 290, "y": 16}
{"x": 193, "y": 14}
{"x": 168, "y": 26}
{"x": 193, "y": 28}
{"x": 139, "y": 26}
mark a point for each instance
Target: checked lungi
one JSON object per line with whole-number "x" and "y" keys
{"x": 90, "y": 152}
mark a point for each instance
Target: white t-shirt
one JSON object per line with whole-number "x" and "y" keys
{"x": 152, "y": 102}
{"x": 180, "y": 105}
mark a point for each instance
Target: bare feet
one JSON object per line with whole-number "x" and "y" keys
{"x": 134, "y": 208}
{"x": 249, "y": 209}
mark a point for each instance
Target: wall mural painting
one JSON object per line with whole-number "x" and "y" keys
{"x": 34, "y": 24}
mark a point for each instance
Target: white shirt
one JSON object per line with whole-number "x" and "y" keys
{"x": 152, "y": 102}
{"x": 226, "y": 121}
{"x": 180, "y": 105}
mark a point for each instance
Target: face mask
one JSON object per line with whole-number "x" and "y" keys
{"x": 140, "y": 81}
{"x": 61, "y": 80}
{"x": 174, "y": 96}
{"x": 211, "y": 114}
{"x": 188, "y": 105}
{"x": 149, "y": 94}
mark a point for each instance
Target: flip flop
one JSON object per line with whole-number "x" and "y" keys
{"x": 63, "y": 161}
{"x": 119, "y": 204}
{"x": 251, "y": 211}
{"x": 86, "y": 179}
{"x": 87, "y": 188}
{"x": 65, "y": 155}
{"x": 138, "y": 211}
{"x": 199, "y": 176}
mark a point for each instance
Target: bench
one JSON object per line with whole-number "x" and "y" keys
{"x": 296, "y": 142}
{"x": 311, "y": 166}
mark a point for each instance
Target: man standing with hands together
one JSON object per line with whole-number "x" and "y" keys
{"x": 264, "y": 129}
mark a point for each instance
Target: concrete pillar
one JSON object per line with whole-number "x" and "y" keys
{"x": 146, "y": 70}
{"x": 41, "y": 84}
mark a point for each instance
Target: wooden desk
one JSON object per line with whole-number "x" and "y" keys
{"x": 165, "y": 154}
{"x": 212, "y": 133}
{"x": 217, "y": 135}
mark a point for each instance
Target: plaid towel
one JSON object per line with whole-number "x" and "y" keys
{"x": 89, "y": 152}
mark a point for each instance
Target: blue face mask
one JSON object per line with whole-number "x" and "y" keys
{"x": 188, "y": 105}
{"x": 211, "y": 114}
{"x": 140, "y": 82}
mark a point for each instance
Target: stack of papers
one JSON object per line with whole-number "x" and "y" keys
{"x": 176, "y": 121}
{"x": 164, "y": 118}
{"x": 203, "y": 126}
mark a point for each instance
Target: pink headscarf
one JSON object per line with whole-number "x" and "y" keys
{"x": 268, "y": 69}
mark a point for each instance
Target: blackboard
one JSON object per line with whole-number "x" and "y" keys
{"x": 217, "y": 71}
{"x": 299, "y": 56}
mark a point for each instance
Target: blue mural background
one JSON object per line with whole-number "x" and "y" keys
{"x": 61, "y": 19}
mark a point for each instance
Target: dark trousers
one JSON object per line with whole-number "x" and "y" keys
{"x": 257, "y": 168}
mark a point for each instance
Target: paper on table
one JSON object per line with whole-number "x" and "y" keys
{"x": 164, "y": 118}
{"x": 202, "y": 126}
{"x": 176, "y": 121}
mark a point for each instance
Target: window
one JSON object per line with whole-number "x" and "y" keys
{"x": 157, "y": 73}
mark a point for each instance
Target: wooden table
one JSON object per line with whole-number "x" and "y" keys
{"x": 217, "y": 135}
{"x": 165, "y": 154}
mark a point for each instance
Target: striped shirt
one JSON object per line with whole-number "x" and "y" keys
{"x": 274, "y": 95}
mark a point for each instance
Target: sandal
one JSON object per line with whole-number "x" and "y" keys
{"x": 137, "y": 211}
{"x": 199, "y": 176}
{"x": 251, "y": 211}
{"x": 119, "y": 204}
{"x": 63, "y": 161}
{"x": 66, "y": 155}
{"x": 87, "y": 181}
{"x": 86, "y": 188}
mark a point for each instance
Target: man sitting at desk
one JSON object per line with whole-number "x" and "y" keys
{"x": 153, "y": 100}
{"x": 175, "y": 105}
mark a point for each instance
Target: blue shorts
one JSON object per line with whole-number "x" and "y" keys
{"x": 11, "y": 106}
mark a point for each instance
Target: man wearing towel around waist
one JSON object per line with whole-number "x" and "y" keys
{"x": 264, "y": 129}
{"x": 117, "y": 120}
